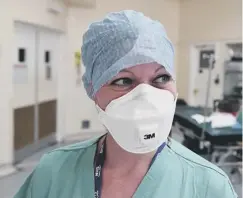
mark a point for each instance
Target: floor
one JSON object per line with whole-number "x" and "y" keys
{"x": 10, "y": 184}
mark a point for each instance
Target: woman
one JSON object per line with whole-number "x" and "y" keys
{"x": 130, "y": 77}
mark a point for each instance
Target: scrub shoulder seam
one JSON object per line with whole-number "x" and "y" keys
{"x": 210, "y": 166}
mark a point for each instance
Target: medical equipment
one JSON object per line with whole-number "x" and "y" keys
{"x": 216, "y": 136}
{"x": 222, "y": 146}
{"x": 211, "y": 63}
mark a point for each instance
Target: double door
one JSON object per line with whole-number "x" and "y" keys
{"x": 36, "y": 59}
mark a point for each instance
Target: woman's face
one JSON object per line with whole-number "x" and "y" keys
{"x": 152, "y": 74}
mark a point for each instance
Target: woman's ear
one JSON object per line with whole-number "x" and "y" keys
{"x": 95, "y": 100}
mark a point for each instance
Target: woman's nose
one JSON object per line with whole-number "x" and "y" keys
{"x": 144, "y": 81}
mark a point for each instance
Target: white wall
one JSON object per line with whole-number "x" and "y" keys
{"x": 79, "y": 106}
{"x": 5, "y": 85}
{"x": 28, "y": 11}
{"x": 206, "y": 21}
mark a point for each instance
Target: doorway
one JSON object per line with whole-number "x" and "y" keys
{"x": 36, "y": 57}
{"x": 233, "y": 70}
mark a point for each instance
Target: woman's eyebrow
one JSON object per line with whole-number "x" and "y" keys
{"x": 160, "y": 68}
{"x": 126, "y": 70}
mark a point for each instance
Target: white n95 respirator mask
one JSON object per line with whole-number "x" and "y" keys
{"x": 141, "y": 120}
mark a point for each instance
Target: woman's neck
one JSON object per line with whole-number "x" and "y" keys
{"x": 123, "y": 161}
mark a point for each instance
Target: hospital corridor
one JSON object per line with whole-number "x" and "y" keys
{"x": 111, "y": 98}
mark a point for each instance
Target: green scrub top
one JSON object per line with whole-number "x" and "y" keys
{"x": 177, "y": 172}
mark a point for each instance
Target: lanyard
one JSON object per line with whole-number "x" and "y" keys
{"x": 99, "y": 163}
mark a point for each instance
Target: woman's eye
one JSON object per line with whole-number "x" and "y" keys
{"x": 162, "y": 79}
{"x": 122, "y": 82}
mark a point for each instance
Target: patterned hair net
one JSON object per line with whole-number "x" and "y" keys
{"x": 122, "y": 40}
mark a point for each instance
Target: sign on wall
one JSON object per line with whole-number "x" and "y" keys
{"x": 20, "y": 69}
{"x": 204, "y": 61}
{"x": 77, "y": 57}
{"x": 48, "y": 65}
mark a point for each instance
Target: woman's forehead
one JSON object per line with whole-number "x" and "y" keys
{"x": 145, "y": 69}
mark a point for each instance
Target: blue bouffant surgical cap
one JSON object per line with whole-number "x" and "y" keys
{"x": 122, "y": 40}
